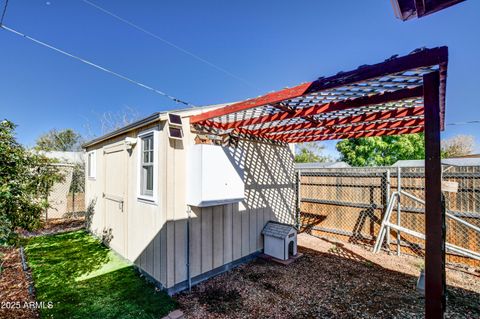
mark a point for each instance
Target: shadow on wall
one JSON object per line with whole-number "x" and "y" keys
{"x": 106, "y": 234}
{"x": 269, "y": 178}
{"x": 219, "y": 236}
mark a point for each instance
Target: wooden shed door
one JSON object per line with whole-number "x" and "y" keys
{"x": 115, "y": 159}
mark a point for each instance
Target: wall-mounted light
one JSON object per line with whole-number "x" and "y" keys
{"x": 130, "y": 142}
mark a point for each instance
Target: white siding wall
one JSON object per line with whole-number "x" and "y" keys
{"x": 156, "y": 234}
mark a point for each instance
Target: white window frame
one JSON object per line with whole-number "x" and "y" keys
{"x": 153, "y": 199}
{"x": 92, "y": 165}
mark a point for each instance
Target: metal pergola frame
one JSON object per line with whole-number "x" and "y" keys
{"x": 401, "y": 95}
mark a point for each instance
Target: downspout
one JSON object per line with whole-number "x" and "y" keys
{"x": 189, "y": 277}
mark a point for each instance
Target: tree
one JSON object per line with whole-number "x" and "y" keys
{"x": 111, "y": 121}
{"x": 26, "y": 179}
{"x": 310, "y": 153}
{"x": 382, "y": 150}
{"x": 66, "y": 140}
{"x": 459, "y": 145}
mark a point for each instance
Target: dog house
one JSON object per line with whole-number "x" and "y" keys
{"x": 280, "y": 240}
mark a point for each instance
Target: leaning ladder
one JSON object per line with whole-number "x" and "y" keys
{"x": 386, "y": 225}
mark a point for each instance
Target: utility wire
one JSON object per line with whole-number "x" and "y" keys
{"x": 173, "y": 45}
{"x": 464, "y": 123}
{"x": 4, "y": 12}
{"x": 123, "y": 77}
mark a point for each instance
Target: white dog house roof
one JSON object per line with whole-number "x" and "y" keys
{"x": 277, "y": 230}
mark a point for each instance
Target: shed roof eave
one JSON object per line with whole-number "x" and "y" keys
{"x": 157, "y": 116}
{"x": 145, "y": 121}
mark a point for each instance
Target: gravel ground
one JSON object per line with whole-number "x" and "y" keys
{"x": 54, "y": 226}
{"x": 331, "y": 280}
{"x": 14, "y": 296}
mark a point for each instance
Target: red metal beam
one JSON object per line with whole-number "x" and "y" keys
{"x": 396, "y": 131}
{"x": 423, "y": 58}
{"x": 325, "y": 108}
{"x": 427, "y": 57}
{"x": 399, "y": 123}
{"x": 366, "y": 117}
{"x": 286, "y": 109}
{"x": 283, "y": 108}
{"x": 270, "y": 98}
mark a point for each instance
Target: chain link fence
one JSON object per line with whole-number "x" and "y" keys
{"x": 67, "y": 198}
{"x": 350, "y": 204}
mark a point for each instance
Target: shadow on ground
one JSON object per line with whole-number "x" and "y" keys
{"x": 338, "y": 284}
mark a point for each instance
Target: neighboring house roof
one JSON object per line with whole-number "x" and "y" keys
{"x": 321, "y": 165}
{"x": 277, "y": 230}
{"x": 446, "y": 161}
{"x": 66, "y": 157}
{"x": 149, "y": 119}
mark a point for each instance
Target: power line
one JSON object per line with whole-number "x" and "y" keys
{"x": 173, "y": 45}
{"x": 4, "y": 12}
{"x": 123, "y": 77}
{"x": 464, "y": 123}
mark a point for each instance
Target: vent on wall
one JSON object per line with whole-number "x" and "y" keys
{"x": 175, "y": 130}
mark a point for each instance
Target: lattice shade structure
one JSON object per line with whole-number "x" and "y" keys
{"x": 373, "y": 100}
{"x": 401, "y": 95}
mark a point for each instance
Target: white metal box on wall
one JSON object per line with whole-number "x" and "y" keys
{"x": 213, "y": 177}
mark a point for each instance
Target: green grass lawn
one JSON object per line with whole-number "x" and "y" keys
{"x": 84, "y": 279}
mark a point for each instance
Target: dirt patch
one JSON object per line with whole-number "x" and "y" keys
{"x": 55, "y": 226}
{"x": 339, "y": 283}
{"x": 458, "y": 276}
{"x": 15, "y": 300}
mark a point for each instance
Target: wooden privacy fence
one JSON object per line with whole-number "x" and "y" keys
{"x": 348, "y": 204}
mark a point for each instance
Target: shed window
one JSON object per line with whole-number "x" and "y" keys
{"x": 91, "y": 164}
{"x": 147, "y": 166}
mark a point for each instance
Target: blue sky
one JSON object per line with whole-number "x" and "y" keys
{"x": 270, "y": 44}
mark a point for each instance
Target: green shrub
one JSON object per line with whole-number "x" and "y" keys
{"x": 26, "y": 179}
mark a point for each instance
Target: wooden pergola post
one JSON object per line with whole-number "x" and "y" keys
{"x": 434, "y": 215}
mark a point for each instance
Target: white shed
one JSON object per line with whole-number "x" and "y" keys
{"x": 280, "y": 240}
{"x": 182, "y": 210}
